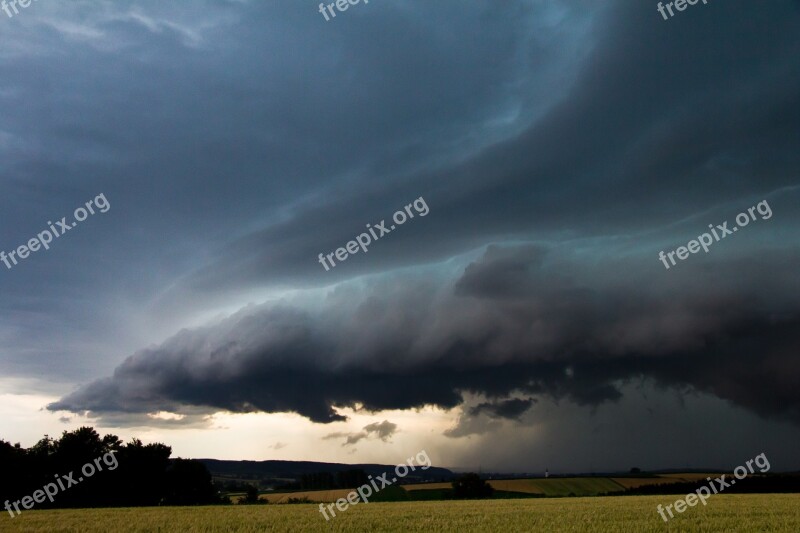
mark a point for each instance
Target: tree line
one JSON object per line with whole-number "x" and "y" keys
{"x": 346, "y": 479}
{"x": 145, "y": 475}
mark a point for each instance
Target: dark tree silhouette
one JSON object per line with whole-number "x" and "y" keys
{"x": 351, "y": 479}
{"x": 189, "y": 483}
{"x": 471, "y": 486}
{"x": 251, "y": 495}
{"x": 118, "y": 474}
{"x": 346, "y": 479}
{"x": 318, "y": 481}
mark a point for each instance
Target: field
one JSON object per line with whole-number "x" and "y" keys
{"x": 566, "y": 486}
{"x": 636, "y": 482}
{"x": 505, "y": 488}
{"x": 577, "y": 486}
{"x": 312, "y": 495}
{"x": 635, "y": 514}
{"x": 687, "y": 477}
{"x": 428, "y": 486}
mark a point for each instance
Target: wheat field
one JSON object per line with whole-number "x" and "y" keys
{"x": 779, "y": 513}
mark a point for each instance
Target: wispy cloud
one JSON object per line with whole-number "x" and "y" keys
{"x": 377, "y": 430}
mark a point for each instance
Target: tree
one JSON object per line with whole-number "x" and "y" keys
{"x": 122, "y": 475}
{"x": 251, "y": 495}
{"x": 350, "y": 479}
{"x": 318, "y": 481}
{"x": 17, "y": 479}
{"x": 471, "y": 486}
{"x": 189, "y": 483}
{"x": 141, "y": 477}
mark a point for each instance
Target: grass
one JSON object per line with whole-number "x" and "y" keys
{"x": 775, "y": 513}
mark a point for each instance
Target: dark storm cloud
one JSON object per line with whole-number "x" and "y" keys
{"x": 511, "y": 409}
{"x": 207, "y": 122}
{"x": 663, "y": 119}
{"x": 568, "y": 332}
{"x": 236, "y": 141}
{"x": 485, "y": 416}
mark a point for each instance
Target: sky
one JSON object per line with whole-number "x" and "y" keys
{"x": 211, "y": 159}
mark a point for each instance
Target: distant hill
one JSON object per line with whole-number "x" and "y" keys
{"x": 281, "y": 471}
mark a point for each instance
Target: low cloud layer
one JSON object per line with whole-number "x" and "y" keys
{"x": 523, "y": 318}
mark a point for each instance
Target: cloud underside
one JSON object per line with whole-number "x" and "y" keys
{"x": 379, "y": 430}
{"x": 519, "y": 320}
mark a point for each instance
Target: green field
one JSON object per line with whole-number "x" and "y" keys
{"x": 634, "y": 514}
{"x": 584, "y": 486}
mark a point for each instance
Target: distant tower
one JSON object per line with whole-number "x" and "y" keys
{"x": 546, "y": 473}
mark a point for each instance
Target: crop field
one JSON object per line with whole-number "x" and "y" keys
{"x": 776, "y": 513}
{"x": 693, "y": 476}
{"x": 577, "y": 486}
{"x": 311, "y": 495}
{"x": 552, "y": 487}
{"x": 528, "y": 486}
{"x": 428, "y": 486}
{"x": 636, "y": 482}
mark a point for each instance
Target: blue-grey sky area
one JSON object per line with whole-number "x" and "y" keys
{"x": 524, "y": 321}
